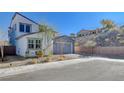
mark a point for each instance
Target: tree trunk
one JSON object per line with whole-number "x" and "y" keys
{"x": 2, "y": 53}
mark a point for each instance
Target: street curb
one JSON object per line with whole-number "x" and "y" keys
{"x": 29, "y": 68}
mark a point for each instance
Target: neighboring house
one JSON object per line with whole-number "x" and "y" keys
{"x": 24, "y": 34}
{"x": 82, "y": 33}
{"x": 63, "y": 45}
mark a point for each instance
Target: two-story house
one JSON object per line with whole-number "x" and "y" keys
{"x": 24, "y": 34}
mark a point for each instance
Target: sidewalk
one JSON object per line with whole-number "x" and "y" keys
{"x": 29, "y": 68}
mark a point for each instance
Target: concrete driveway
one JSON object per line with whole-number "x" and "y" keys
{"x": 96, "y": 69}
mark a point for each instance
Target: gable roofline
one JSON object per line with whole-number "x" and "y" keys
{"x": 23, "y": 17}
{"x": 64, "y": 36}
{"x": 26, "y": 35}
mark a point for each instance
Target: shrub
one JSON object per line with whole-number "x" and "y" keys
{"x": 34, "y": 61}
{"x": 76, "y": 44}
{"x": 61, "y": 58}
{"x": 47, "y": 59}
{"x": 50, "y": 54}
{"x": 39, "y": 53}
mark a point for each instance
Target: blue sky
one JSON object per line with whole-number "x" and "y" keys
{"x": 64, "y": 22}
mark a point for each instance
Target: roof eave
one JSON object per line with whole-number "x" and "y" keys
{"x": 22, "y": 16}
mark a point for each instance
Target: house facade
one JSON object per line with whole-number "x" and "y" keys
{"x": 24, "y": 34}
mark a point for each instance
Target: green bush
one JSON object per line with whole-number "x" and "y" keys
{"x": 39, "y": 53}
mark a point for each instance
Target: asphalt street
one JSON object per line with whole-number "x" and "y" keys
{"x": 94, "y": 70}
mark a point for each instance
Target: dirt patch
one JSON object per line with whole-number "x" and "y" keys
{"x": 54, "y": 58}
{"x": 12, "y": 61}
{"x": 9, "y": 59}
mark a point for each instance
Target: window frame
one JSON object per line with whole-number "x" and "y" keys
{"x": 25, "y": 27}
{"x": 15, "y": 27}
{"x": 20, "y": 30}
{"x": 34, "y": 43}
{"x": 30, "y": 43}
{"x": 37, "y": 42}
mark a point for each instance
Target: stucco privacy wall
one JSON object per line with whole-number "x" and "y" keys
{"x": 109, "y": 50}
{"x": 22, "y": 44}
{"x": 101, "y": 50}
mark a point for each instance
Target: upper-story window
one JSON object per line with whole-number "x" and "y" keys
{"x": 24, "y": 27}
{"x": 28, "y": 28}
{"x": 21, "y": 27}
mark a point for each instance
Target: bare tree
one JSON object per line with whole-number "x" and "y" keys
{"x": 2, "y": 46}
{"x": 108, "y": 24}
